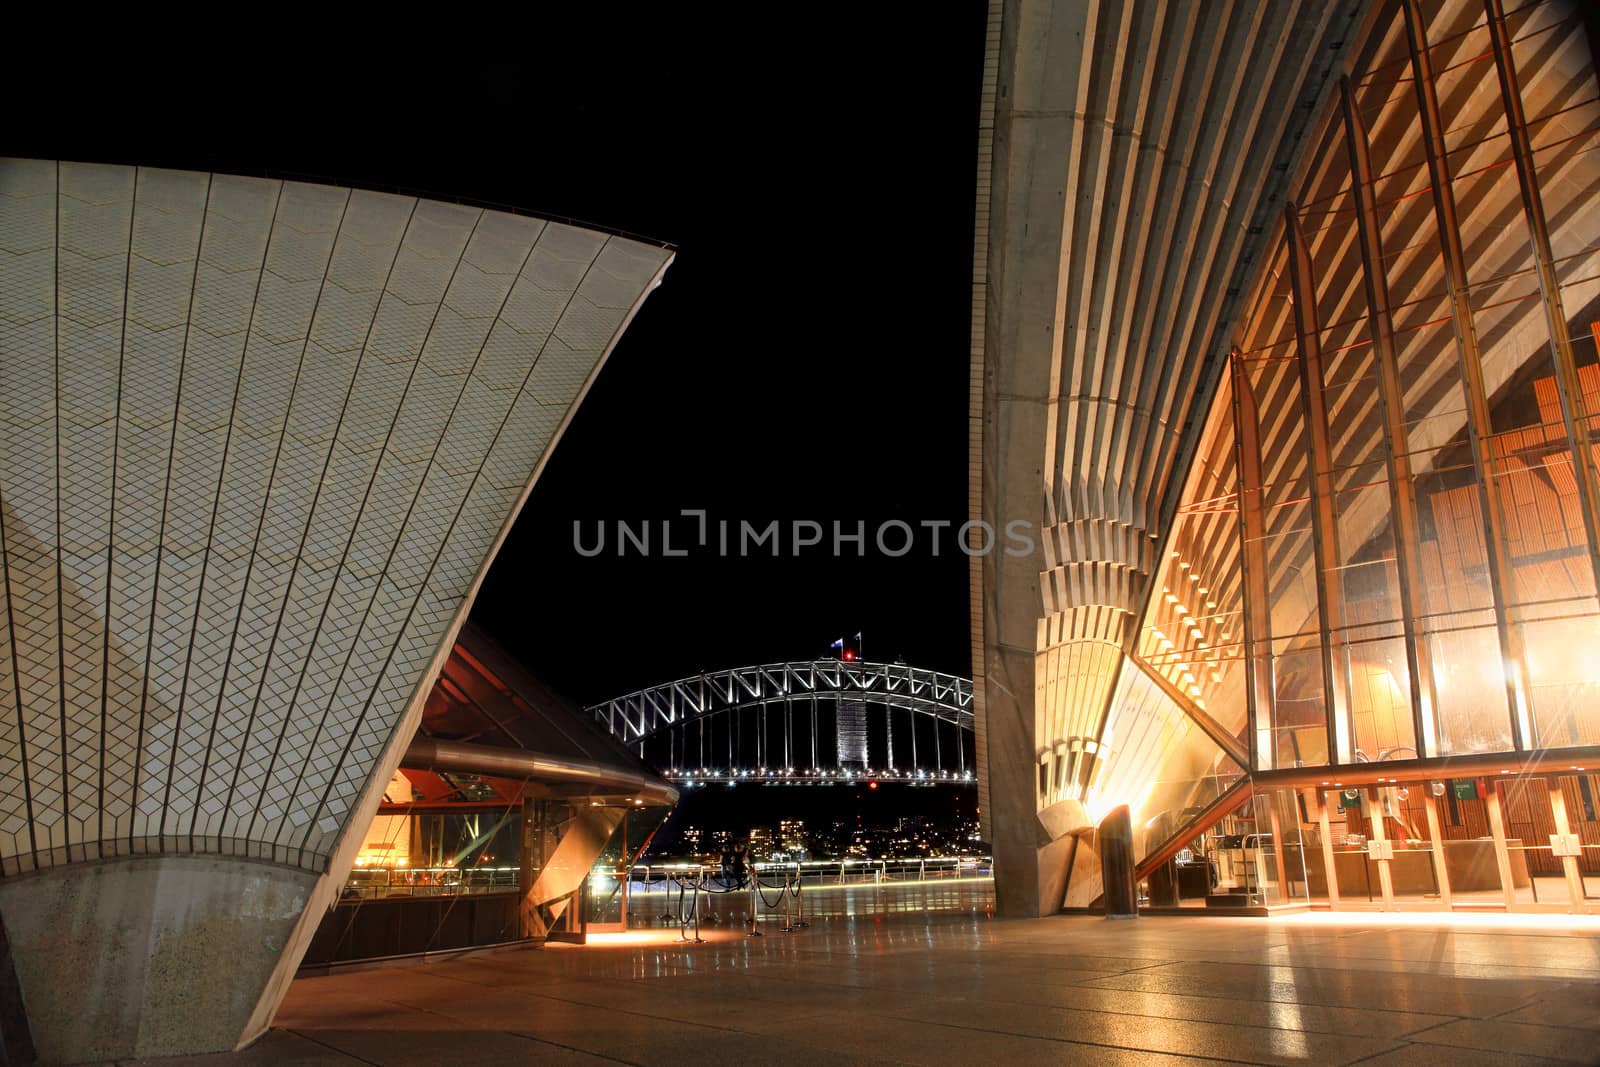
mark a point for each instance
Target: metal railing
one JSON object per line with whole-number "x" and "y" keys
{"x": 371, "y": 883}
{"x": 848, "y": 871}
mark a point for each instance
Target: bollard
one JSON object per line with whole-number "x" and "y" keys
{"x": 1116, "y": 865}
{"x": 1164, "y": 885}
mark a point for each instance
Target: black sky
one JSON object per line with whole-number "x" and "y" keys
{"x": 806, "y": 357}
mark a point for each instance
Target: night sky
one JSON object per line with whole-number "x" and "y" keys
{"x": 806, "y": 357}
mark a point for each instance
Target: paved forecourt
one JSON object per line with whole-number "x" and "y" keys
{"x": 965, "y": 988}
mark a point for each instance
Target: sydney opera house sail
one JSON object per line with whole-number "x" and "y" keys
{"x": 1287, "y": 341}
{"x": 259, "y": 441}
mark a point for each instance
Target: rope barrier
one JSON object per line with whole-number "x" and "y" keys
{"x": 692, "y": 916}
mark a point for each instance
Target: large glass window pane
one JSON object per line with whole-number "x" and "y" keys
{"x": 1289, "y": 736}
{"x": 1564, "y": 690}
{"x": 1380, "y": 700}
{"x": 1299, "y": 736}
{"x": 1277, "y": 851}
{"x": 1349, "y": 831}
{"x": 1469, "y": 679}
{"x": 1412, "y": 870}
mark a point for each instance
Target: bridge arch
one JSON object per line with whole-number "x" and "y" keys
{"x": 773, "y": 722}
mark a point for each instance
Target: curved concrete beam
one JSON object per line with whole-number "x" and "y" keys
{"x": 430, "y": 754}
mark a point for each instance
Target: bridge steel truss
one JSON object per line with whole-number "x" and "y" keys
{"x": 748, "y": 693}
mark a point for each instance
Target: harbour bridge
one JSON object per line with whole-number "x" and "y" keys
{"x": 805, "y": 722}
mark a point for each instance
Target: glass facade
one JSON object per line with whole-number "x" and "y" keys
{"x": 513, "y": 817}
{"x": 1387, "y": 546}
{"x": 438, "y": 853}
{"x": 610, "y": 881}
{"x": 1429, "y": 578}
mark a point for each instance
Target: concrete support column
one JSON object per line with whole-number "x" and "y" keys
{"x": 1277, "y": 849}
{"x": 1497, "y": 830}
{"x": 1441, "y": 870}
{"x": 1378, "y": 846}
{"x": 157, "y": 955}
{"x": 1569, "y": 863}
{"x": 16, "y": 1038}
{"x": 1331, "y": 874}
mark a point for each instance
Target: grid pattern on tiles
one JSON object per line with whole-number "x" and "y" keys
{"x": 257, "y": 440}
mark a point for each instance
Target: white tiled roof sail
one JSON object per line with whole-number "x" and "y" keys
{"x": 258, "y": 440}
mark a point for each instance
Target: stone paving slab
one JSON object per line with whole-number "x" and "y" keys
{"x": 1456, "y": 991}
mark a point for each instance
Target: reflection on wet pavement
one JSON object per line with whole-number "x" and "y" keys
{"x": 893, "y": 986}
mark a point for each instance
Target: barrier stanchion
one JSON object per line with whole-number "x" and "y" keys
{"x": 692, "y": 916}
{"x": 799, "y": 904}
{"x": 755, "y": 903}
